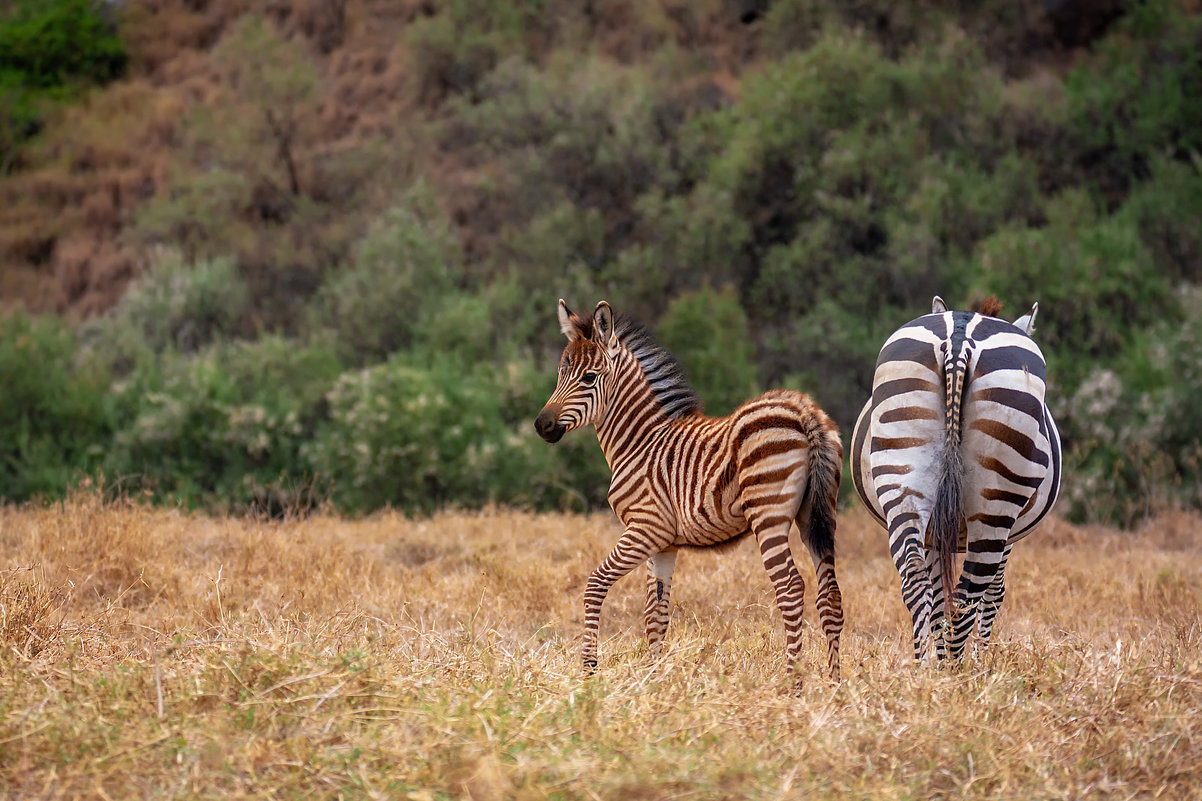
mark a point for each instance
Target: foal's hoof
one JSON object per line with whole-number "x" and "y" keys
{"x": 590, "y": 667}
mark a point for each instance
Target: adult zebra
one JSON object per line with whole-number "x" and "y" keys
{"x": 956, "y": 452}
{"x": 682, "y": 479}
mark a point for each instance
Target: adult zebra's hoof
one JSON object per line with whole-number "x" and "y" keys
{"x": 590, "y": 667}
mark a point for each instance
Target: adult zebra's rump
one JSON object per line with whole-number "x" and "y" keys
{"x": 956, "y": 452}
{"x": 682, "y": 479}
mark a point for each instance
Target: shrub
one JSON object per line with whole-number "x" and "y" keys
{"x": 1136, "y": 98}
{"x": 707, "y": 330}
{"x": 461, "y": 42}
{"x": 175, "y": 306}
{"x": 54, "y": 42}
{"x": 224, "y": 427}
{"x": 422, "y": 436}
{"x": 1092, "y": 276}
{"x": 1131, "y": 427}
{"x": 47, "y": 47}
{"x": 251, "y": 179}
{"x": 403, "y": 268}
{"x": 54, "y": 421}
{"x": 576, "y": 145}
{"x": 1166, "y": 210}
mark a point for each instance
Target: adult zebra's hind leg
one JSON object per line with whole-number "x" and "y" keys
{"x": 657, "y": 613}
{"x": 905, "y": 546}
{"x": 991, "y": 603}
{"x": 986, "y": 551}
{"x": 941, "y": 627}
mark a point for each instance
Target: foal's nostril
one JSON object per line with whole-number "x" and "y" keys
{"x": 547, "y": 426}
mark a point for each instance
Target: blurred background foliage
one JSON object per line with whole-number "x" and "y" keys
{"x": 267, "y": 255}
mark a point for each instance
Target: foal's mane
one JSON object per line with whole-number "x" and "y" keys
{"x": 663, "y": 370}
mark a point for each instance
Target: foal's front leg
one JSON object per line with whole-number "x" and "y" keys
{"x": 633, "y": 548}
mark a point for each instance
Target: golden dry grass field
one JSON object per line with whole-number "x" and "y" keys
{"x": 149, "y": 653}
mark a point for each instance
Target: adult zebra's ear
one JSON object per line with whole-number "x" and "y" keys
{"x": 937, "y": 305}
{"x": 568, "y": 322}
{"x": 603, "y": 325}
{"x": 1027, "y": 322}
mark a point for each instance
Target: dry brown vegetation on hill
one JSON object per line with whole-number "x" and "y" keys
{"x": 151, "y": 653}
{"x": 67, "y": 215}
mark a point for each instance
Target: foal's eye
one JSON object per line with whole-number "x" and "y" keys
{"x": 588, "y": 379}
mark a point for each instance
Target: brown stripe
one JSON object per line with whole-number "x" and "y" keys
{"x": 1003, "y": 495}
{"x": 900, "y": 386}
{"x": 897, "y": 443}
{"x": 905, "y": 413}
{"x": 999, "y": 467}
{"x": 996, "y": 521}
{"x": 1022, "y": 444}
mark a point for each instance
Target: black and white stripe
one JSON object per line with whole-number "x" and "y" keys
{"x": 956, "y": 452}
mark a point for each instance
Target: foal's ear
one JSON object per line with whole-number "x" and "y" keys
{"x": 569, "y": 322}
{"x": 1027, "y": 322}
{"x": 937, "y": 305}
{"x": 603, "y": 325}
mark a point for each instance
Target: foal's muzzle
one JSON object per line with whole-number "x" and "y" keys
{"x": 547, "y": 425}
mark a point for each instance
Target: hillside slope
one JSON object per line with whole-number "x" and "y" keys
{"x": 262, "y": 251}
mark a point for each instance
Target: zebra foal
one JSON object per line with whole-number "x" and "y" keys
{"x": 681, "y": 479}
{"x": 956, "y": 452}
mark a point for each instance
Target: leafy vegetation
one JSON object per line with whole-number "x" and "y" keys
{"x": 772, "y": 187}
{"x": 47, "y": 48}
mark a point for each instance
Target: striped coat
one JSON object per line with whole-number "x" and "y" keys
{"x": 681, "y": 479}
{"x": 956, "y": 452}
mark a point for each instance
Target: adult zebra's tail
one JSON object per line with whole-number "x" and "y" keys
{"x": 948, "y": 513}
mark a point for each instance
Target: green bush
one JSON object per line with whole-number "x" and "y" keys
{"x": 54, "y": 421}
{"x": 707, "y": 330}
{"x": 54, "y": 42}
{"x": 461, "y": 42}
{"x": 1166, "y": 209}
{"x": 423, "y": 436}
{"x": 1092, "y": 275}
{"x": 47, "y": 48}
{"x": 1132, "y": 426}
{"x": 577, "y": 145}
{"x": 845, "y": 189}
{"x": 224, "y": 427}
{"x": 403, "y": 269}
{"x": 1136, "y": 98}
{"x": 175, "y": 306}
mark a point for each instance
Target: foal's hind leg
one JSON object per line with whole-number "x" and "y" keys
{"x": 829, "y": 598}
{"x": 830, "y": 609}
{"x": 773, "y": 539}
{"x": 657, "y": 612}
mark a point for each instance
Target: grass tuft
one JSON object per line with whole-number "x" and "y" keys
{"x": 147, "y": 652}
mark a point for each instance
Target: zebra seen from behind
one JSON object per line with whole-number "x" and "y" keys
{"x": 956, "y": 452}
{"x": 681, "y": 479}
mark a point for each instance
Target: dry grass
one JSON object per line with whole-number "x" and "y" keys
{"x": 150, "y": 653}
